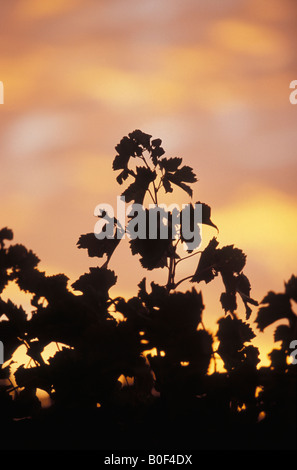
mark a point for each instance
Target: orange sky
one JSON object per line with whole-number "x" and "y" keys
{"x": 211, "y": 79}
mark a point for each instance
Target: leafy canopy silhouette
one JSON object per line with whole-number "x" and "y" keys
{"x": 171, "y": 397}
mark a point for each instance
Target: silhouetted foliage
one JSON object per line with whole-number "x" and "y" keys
{"x": 171, "y": 399}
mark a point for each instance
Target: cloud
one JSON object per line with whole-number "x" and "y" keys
{"x": 37, "y": 132}
{"x": 35, "y": 10}
{"x": 263, "y": 222}
{"x": 247, "y": 38}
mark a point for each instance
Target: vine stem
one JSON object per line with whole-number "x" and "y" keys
{"x": 150, "y": 193}
{"x": 190, "y": 256}
{"x": 182, "y": 280}
{"x": 155, "y": 201}
{"x": 170, "y": 273}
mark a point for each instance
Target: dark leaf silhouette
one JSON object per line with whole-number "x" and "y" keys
{"x": 206, "y": 269}
{"x": 5, "y": 234}
{"x": 182, "y": 176}
{"x": 98, "y": 247}
{"x": 9, "y": 335}
{"x": 122, "y": 176}
{"x": 170, "y": 164}
{"x": 277, "y": 307}
{"x": 206, "y": 215}
{"x": 16, "y": 315}
{"x": 126, "y": 149}
{"x": 283, "y": 333}
{"x": 136, "y": 191}
{"x": 96, "y": 282}
{"x": 233, "y": 333}
{"x": 5, "y": 372}
{"x": 291, "y": 288}
{"x": 154, "y": 252}
{"x": 229, "y": 263}
{"x": 21, "y": 258}
{"x": 142, "y": 139}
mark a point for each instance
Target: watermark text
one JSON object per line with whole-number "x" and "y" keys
{"x": 293, "y": 94}
{"x": 157, "y": 222}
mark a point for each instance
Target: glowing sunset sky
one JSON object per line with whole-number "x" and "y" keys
{"x": 211, "y": 79}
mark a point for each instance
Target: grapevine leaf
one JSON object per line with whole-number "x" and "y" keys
{"x": 136, "y": 191}
{"x": 141, "y": 138}
{"x": 182, "y": 176}
{"x": 206, "y": 215}
{"x": 5, "y": 234}
{"x": 97, "y": 281}
{"x": 126, "y": 149}
{"x": 170, "y": 164}
{"x": 291, "y": 288}
{"x": 206, "y": 266}
{"x": 96, "y": 247}
{"x": 283, "y": 333}
{"x": 16, "y": 315}
{"x": 276, "y": 307}
{"x": 122, "y": 176}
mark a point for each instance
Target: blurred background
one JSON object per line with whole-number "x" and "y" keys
{"x": 211, "y": 79}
